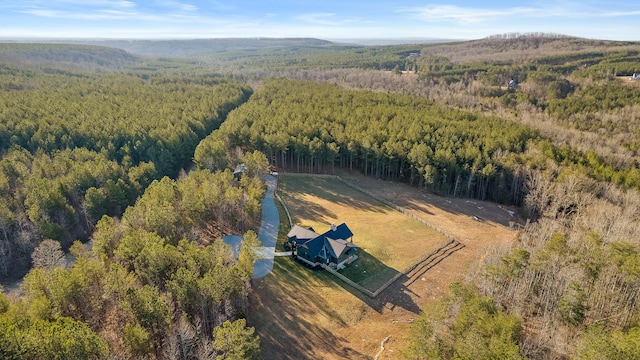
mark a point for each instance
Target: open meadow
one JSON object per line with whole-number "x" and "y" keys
{"x": 389, "y": 240}
{"x": 304, "y": 313}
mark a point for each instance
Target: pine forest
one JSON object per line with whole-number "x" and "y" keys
{"x": 117, "y": 187}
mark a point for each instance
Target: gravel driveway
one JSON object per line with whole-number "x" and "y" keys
{"x": 268, "y": 233}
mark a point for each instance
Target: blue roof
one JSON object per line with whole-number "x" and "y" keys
{"x": 341, "y": 231}
{"x": 314, "y": 246}
{"x": 333, "y": 242}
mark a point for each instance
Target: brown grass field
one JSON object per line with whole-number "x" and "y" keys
{"x": 305, "y": 314}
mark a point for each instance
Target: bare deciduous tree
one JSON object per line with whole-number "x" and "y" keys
{"x": 48, "y": 254}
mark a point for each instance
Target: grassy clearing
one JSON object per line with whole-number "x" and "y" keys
{"x": 390, "y": 240}
{"x": 300, "y": 313}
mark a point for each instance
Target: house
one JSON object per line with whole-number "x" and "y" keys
{"x": 333, "y": 248}
{"x": 512, "y": 84}
{"x": 635, "y": 77}
{"x": 300, "y": 235}
{"x": 239, "y": 171}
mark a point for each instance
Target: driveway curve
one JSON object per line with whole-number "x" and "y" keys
{"x": 267, "y": 234}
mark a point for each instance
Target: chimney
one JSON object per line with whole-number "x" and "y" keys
{"x": 333, "y": 227}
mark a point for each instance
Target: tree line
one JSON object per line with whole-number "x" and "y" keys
{"x": 310, "y": 127}
{"x": 131, "y": 120}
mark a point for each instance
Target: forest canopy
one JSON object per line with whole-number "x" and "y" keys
{"x": 310, "y": 127}
{"x": 79, "y": 146}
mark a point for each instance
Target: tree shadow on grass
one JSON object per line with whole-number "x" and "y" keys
{"x": 329, "y": 189}
{"x": 280, "y": 310}
{"x": 419, "y": 200}
{"x": 306, "y": 209}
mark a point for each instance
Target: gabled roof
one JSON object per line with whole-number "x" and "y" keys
{"x": 332, "y": 243}
{"x": 341, "y": 231}
{"x": 324, "y": 247}
{"x": 301, "y": 233}
{"x": 339, "y": 247}
{"x": 336, "y": 246}
{"x": 314, "y": 245}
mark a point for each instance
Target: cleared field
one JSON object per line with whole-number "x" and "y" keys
{"x": 305, "y": 314}
{"x": 389, "y": 240}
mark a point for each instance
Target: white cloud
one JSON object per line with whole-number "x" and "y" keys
{"x": 469, "y": 15}
{"x": 179, "y": 5}
{"x": 125, "y": 3}
{"x": 319, "y": 18}
{"x": 451, "y": 13}
{"x": 103, "y": 14}
{"x": 105, "y": 10}
{"x": 620, "y": 13}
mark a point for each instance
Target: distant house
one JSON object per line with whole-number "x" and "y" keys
{"x": 239, "y": 171}
{"x": 333, "y": 248}
{"x": 635, "y": 77}
{"x": 512, "y": 84}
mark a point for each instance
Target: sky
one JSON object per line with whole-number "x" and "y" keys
{"x": 324, "y": 19}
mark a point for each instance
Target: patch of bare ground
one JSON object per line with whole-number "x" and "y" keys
{"x": 627, "y": 80}
{"x": 305, "y": 314}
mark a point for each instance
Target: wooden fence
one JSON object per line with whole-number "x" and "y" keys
{"x": 285, "y": 209}
{"x": 394, "y": 206}
{"x": 349, "y": 281}
{"x": 374, "y": 294}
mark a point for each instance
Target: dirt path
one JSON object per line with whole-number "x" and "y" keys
{"x": 304, "y": 318}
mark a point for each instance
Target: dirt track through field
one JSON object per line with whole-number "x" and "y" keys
{"x": 303, "y": 320}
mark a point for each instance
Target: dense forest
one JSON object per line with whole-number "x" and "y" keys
{"x": 158, "y": 283}
{"x": 309, "y": 127}
{"x": 96, "y": 156}
{"x": 62, "y": 57}
{"x": 132, "y": 156}
{"x": 79, "y": 146}
{"x": 571, "y": 279}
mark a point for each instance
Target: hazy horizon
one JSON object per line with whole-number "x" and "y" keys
{"x": 334, "y": 20}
